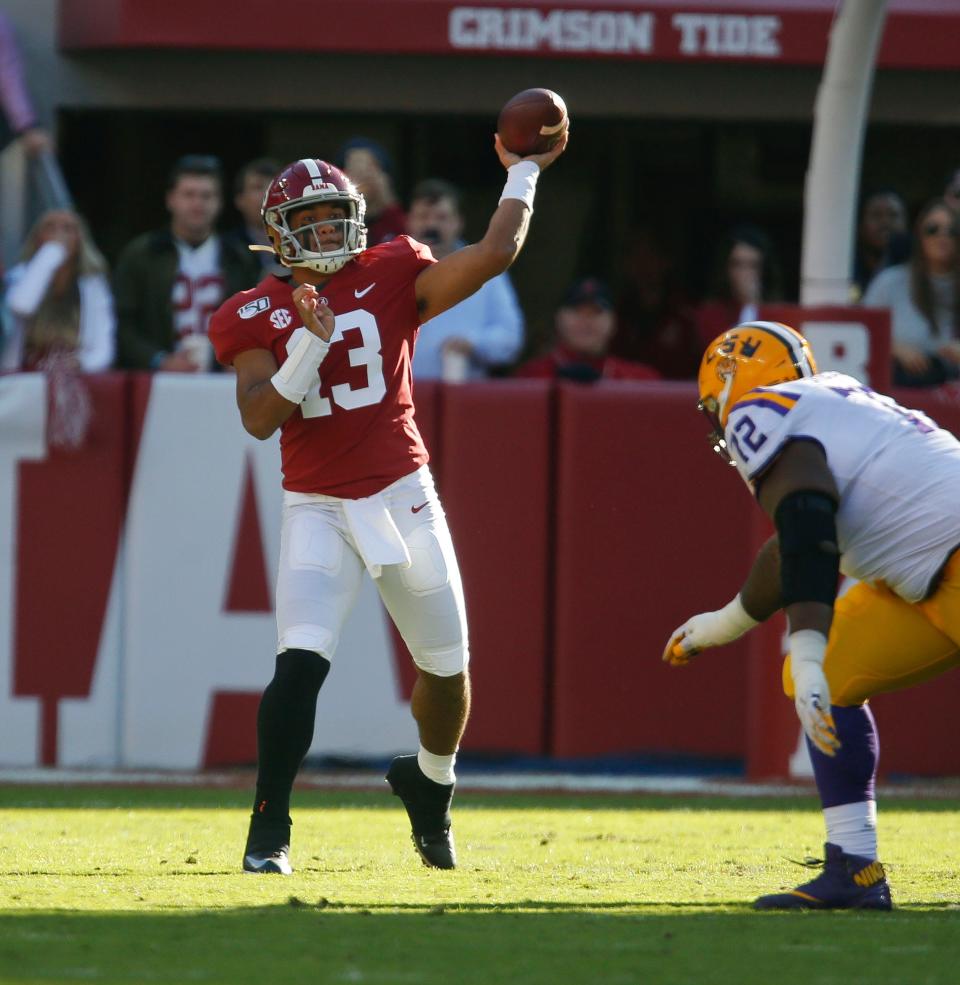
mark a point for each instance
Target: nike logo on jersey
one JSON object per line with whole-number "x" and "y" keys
{"x": 417, "y": 509}
{"x": 366, "y": 290}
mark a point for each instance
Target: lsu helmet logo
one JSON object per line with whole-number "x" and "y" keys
{"x": 760, "y": 353}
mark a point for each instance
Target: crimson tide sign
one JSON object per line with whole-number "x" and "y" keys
{"x": 919, "y": 33}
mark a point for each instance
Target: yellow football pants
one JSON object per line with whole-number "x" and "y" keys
{"x": 878, "y": 642}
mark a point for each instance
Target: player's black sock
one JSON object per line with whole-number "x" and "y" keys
{"x": 285, "y": 728}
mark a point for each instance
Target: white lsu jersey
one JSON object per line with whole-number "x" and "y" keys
{"x": 897, "y": 472}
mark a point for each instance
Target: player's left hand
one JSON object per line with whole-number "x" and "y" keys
{"x": 316, "y": 315}
{"x": 812, "y": 700}
{"x": 705, "y": 630}
{"x": 543, "y": 161}
{"x": 688, "y": 640}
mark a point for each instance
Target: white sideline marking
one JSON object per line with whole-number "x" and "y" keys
{"x": 505, "y": 781}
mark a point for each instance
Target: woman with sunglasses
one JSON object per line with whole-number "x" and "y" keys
{"x": 923, "y": 296}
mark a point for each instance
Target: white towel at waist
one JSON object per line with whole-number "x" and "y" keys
{"x": 376, "y": 535}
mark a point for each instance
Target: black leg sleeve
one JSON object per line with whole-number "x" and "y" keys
{"x": 285, "y": 727}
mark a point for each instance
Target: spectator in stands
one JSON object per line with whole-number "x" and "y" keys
{"x": 168, "y": 282}
{"x": 584, "y": 325}
{"x": 249, "y": 187}
{"x": 882, "y": 238}
{"x": 923, "y": 296}
{"x": 745, "y": 275}
{"x": 951, "y": 190}
{"x": 370, "y": 168}
{"x": 655, "y": 323}
{"x": 483, "y": 331}
{"x": 57, "y": 304}
{"x": 19, "y": 117}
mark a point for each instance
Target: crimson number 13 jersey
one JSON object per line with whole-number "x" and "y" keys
{"x": 354, "y": 433}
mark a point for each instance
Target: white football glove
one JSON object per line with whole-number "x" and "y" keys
{"x": 708, "y": 629}
{"x": 811, "y": 690}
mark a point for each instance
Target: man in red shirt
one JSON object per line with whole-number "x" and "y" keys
{"x": 584, "y": 326}
{"x": 325, "y": 357}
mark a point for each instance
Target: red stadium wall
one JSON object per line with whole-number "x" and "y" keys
{"x": 589, "y": 522}
{"x": 649, "y": 529}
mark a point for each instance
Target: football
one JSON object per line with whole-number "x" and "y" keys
{"x": 532, "y": 122}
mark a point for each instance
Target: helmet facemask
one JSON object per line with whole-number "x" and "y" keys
{"x": 326, "y": 245}
{"x": 712, "y": 407}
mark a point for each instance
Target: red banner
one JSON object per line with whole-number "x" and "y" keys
{"x": 919, "y": 33}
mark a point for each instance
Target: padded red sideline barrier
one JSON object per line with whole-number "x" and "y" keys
{"x": 651, "y": 529}
{"x": 496, "y": 441}
{"x": 589, "y": 522}
{"x": 71, "y": 508}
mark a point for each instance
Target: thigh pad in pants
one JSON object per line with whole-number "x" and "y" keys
{"x": 426, "y": 602}
{"x": 317, "y": 582}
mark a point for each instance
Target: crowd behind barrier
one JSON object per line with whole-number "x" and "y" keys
{"x": 165, "y": 284}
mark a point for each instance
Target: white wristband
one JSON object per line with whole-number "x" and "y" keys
{"x": 734, "y": 616}
{"x": 807, "y": 646}
{"x": 299, "y": 370}
{"x": 521, "y": 182}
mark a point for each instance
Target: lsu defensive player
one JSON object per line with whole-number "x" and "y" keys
{"x": 856, "y": 484}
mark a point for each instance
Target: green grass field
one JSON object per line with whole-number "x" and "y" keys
{"x": 143, "y": 885}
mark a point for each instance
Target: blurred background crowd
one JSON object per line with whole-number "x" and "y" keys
{"x": 139, "y": 227}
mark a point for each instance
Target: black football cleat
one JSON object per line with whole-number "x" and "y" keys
{"x": 268, "y": 846}
{"x": 848, "y": 882}
{"x": 428, "y": 807}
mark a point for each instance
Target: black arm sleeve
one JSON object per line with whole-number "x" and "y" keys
{"x": 809, "y": 555}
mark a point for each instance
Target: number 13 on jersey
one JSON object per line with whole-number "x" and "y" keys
{"x": 367, "y": 355}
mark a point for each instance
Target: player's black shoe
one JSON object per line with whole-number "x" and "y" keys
{"x": 268, "y": 846}
{"x": 428, "y": 807}
{"x": 848, "y": 882}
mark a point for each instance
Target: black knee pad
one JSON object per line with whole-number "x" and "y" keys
{"x": 301, "y": 670}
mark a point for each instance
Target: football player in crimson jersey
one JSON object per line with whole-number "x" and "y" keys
{"x": 324, "y": 356}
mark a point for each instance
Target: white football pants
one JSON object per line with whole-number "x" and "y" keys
{"x": 321, "y": 566}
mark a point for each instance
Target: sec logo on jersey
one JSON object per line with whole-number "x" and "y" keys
{"x": 281, "y": 318}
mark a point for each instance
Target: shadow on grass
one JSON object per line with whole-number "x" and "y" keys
{"x": 39, "y": 797}
{"x": 531, "y": 942}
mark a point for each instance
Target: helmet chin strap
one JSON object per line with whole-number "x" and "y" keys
{"x": 724, "y": 397}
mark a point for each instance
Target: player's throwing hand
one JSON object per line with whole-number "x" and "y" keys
{"x": 316, "y": 315}
{"x": 543, "y": 161}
